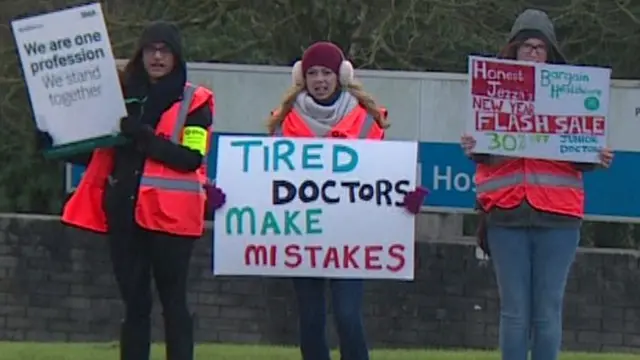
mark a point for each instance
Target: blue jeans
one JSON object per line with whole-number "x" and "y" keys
{"x": 347, "y": 297}
{"x": 532, "y": 266}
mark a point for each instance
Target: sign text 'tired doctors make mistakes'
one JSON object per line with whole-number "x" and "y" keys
{"x": 314, "y": 207}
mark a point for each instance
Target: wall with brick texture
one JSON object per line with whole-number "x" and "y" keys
{"x": 56, "y": 284}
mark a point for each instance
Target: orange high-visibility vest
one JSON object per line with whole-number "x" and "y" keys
{"x": 357, "y": 124}
{"x": 549, "y": 186}
{"x": 168, "y": 201}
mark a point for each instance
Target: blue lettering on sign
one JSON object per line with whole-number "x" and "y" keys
{"x": 578, "y": 144}
{"x": 449, "y": 176}
{"x": 578, "y": 139}
{"x": 342, "y": 167}
{"x": 311, "y": 159}
{"x": 566, "y": 149}
{"x": 283, "y": 151}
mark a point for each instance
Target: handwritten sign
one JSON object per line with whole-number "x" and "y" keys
{"x": 314, "y": 207}
{"x": 532, "y": 110}
{"x": 70, "y": 73}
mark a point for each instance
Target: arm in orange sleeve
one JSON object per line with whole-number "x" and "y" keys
{"x": 376, "y": 132}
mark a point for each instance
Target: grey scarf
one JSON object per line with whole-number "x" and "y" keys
{"x": 322, "y": 118}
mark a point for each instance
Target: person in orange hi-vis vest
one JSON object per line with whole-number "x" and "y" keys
{"x": 325, "y": 101}
{"x": 530, "y": 217}
{"x": 148, "y": 195}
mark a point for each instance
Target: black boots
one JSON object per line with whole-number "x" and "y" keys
{"x": 135, "y": 340}
{"x": 178, "y": 335}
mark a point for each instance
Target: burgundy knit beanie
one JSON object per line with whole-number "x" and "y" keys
{"x": 322, "y": 53}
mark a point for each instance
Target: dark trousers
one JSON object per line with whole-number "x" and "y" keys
{"x": 346, "y": 297}
{"x": 135, "y": 255}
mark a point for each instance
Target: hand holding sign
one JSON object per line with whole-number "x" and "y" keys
{"x": 134, "y": 129}
{"x": 606, "y": 157}
{"x": 216, "y": 198}
{"x": 43, "y": 140}
{"x": 468, "y": 143}
{"x": 414, "y": 199}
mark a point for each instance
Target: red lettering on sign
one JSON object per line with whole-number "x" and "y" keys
{"x": 371, "y": 257}
{"x": 540, "y": 124}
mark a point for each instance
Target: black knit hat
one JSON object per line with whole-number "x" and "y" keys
{"x": 162, "y": 32}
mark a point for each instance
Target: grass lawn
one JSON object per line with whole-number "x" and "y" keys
{"x": 109, "y": 351}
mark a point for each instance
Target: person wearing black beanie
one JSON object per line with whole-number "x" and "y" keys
{"x": 159, "y": 49}
{"x": 148, "y": 196}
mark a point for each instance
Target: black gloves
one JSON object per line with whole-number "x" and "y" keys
{"x": 43, "y": 140}
{"x": 134, "y": 129}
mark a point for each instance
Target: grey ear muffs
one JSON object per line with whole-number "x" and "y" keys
{"x": 345, "y": 76}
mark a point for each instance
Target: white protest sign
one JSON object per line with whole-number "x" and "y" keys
{"x": 70, "y": 73}
{"x": 538, "y": 110}
{"x": 314, "y": 207}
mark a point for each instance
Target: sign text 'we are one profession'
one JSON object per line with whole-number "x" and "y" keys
{"x": 319, "y": 207}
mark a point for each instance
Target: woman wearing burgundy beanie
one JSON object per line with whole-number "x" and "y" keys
{"x": 325, "y": 101}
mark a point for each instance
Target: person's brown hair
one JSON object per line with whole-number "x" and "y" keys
{"x": 133, "y": 65}
{"x": 355, "y": 88}
{"x": 510, "y": 50}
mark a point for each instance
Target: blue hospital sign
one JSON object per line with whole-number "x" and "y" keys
{"x": 449, "y": 175}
